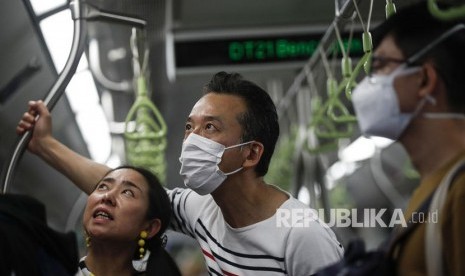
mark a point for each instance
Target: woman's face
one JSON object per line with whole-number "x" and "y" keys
{"x": 116, "y": 209}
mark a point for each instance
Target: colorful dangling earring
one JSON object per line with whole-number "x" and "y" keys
{"x": 141, "y": 243}
{"x": 87, "y": 241}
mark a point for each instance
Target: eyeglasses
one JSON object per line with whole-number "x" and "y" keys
{"x": 378, "y": 63}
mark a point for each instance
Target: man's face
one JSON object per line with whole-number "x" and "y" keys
{"x": 215, "y": 116}
{"x": 387, "y": 57}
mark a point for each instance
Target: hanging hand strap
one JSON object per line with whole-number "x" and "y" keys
{"x": 145, "y": 129}
{"x": 447, "y": 14}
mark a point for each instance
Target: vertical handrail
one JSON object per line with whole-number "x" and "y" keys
{"x": 77, "y": 48}
{"x": 81, "y": 12}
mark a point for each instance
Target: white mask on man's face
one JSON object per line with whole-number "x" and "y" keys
{"x": 199, "y": 159}
{"x": 377, "y": 107}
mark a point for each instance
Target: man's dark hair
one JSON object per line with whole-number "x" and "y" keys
{"x": 413, "y": 28}
{"x": 260, "y": 121}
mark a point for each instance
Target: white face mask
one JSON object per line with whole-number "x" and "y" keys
{"x": 377, "y": 107}
{"x": 199, "y": 159}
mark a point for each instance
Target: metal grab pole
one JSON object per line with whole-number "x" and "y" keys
{"x": 81, "y": 12}
{"x": 56, "y": 91}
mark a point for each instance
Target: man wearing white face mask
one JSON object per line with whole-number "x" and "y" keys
{"x": 415, "y": 94}
{"x": 199, "y": 159}
{"x": 230, "y": 136}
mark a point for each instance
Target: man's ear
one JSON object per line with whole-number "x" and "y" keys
{"x": 254, "y": 154}
{"x": 429, "y": 81}
{"x": 153, "y": 228}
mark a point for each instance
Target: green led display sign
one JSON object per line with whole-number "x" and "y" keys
{"x": 270, "y": 49}
{"x": 262, "y": 50}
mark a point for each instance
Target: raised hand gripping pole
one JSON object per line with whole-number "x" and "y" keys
{"x": 77, "y": 48}
{"x": 81, "y": 12}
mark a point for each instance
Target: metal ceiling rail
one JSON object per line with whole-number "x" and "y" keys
{"x": 343, "y": 14}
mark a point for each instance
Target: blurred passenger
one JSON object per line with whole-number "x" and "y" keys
{"x": 28, "y": 246}
{"x": 416, "y": 95}
{"x": 125, "y": 219}
{"x": 230, "y": 136}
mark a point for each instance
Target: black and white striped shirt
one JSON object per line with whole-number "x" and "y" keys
{"x": 262, "y": 248}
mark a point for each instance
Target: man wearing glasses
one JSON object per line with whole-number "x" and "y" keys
{"x": 415, "y": 94}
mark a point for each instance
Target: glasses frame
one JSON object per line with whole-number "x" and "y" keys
{"x": 414, "y": 58}
{"x": 384, "y": 60}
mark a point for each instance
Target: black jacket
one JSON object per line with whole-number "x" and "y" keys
{"x": 28, "y": 246}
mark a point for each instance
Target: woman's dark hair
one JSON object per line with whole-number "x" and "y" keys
{"x": 160, "y": 262}
{"x": 260, "y": 121}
